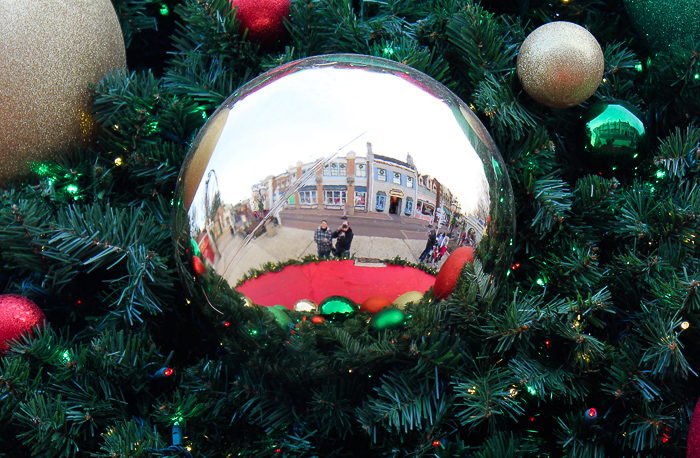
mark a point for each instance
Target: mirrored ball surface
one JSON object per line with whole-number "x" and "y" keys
{"x": 341, "y": 157}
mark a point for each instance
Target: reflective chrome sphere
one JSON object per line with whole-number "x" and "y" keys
{"x": 340, "y": 156}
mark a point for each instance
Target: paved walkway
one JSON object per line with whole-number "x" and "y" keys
{"x": 284, "y": 243}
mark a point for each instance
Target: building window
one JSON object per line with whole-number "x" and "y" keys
{"x": 334, "y": 169}
{"x": 420, "y": 181}
{"x": 360, "y": 170}
{"x": 307, "y": 197}
{"x": 381, "y": 201}
{"x": 343, "y": 170}
{"x": 396, "y": 178}
{"x": 428, "y": 209}
{"x": 360, "y": 199}
{"x": 334, "y": 197}
{"x": 326, "y": 170}
{"x": 409, "y": 182}
{"x": 381, "y": 174}
{"x": 409, "y": 206}
{"x": 419, "y": 206}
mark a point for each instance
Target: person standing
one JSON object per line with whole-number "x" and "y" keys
{"x": 428, "y": 246}
{"x": 344, "y": 235}
{"x": 324, "y": 239}
{"x": 442, "y": 249}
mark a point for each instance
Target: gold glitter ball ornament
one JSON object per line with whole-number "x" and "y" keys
{"x": 52, "y": 51}
{"x": 560, "y": 64}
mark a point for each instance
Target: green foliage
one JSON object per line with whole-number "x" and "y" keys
{"x": 600, "y": 308}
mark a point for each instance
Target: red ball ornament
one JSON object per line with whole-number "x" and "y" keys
{"x": 264, "y": 19}
{"x": 374, "y": 304}
{"x": 198, "y": 266}
{"x": 693, "y": 445}
{"x": 449, "y": 272}
{"x": 17, "y": 316}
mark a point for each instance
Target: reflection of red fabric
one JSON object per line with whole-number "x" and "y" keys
{"x": 334, "y": 278}
{"x": 205, "y": 247}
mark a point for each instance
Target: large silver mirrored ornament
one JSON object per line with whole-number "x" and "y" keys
{"x": 350, "y": 159}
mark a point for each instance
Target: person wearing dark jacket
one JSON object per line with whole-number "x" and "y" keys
{"x": 344, "y": 236}
{"x": 432, "y": 238}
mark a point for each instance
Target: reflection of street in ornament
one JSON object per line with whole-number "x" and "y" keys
{"x": 337, "y": 308}
{"x": 560, "y": 64}
{"x": 403, "y": 156}
{"x": 615, "y": 137}
{"x": 345, "y": 139}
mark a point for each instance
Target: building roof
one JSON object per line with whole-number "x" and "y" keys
{"x": 392, "y": 160}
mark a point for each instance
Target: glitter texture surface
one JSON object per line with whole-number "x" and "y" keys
{"x": 264, "y": 19}
{"x": 560, "y": 64}
{"x": 52, "y": 51}
{"x": 694, "y": 434}
{"x": 17, "y": 316}
{"x": 662, "y": 22}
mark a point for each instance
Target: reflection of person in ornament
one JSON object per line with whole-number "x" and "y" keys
{"x": 344, "y": 236}
{"x": 324, "y": 240}
{"x": 432, "y": 238}
{"x": 442, "y": 249}
{"x": 471, "y": 237}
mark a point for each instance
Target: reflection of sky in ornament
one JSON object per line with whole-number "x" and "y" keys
{"x": 313, "y": 113}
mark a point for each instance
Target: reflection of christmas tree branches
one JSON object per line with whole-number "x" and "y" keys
{"x": 398, "y": 261}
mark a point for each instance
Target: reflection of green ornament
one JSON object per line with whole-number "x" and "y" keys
{"x": 388, "y": 318}
{"x": 195, "y": 248}
{"x": 280, "y": 316}
{"x": 337, "y": 307}
{"x": 615, "y": 137}
{"x": 662, "y": 22}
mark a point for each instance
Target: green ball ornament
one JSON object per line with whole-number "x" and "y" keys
{"x": 615, "y": 137}
{"x": 337, "y": 307}
{"x": 663, "y": 22}
{"x": 195, "y": 248}
{"x": 389, "y": 318}
{"x": 281, "y": 316}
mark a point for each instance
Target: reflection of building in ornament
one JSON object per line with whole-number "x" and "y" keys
{"x": 356, "y": 184}
{"x": 392, "y": 186}
{"x": 615, "y": 135}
